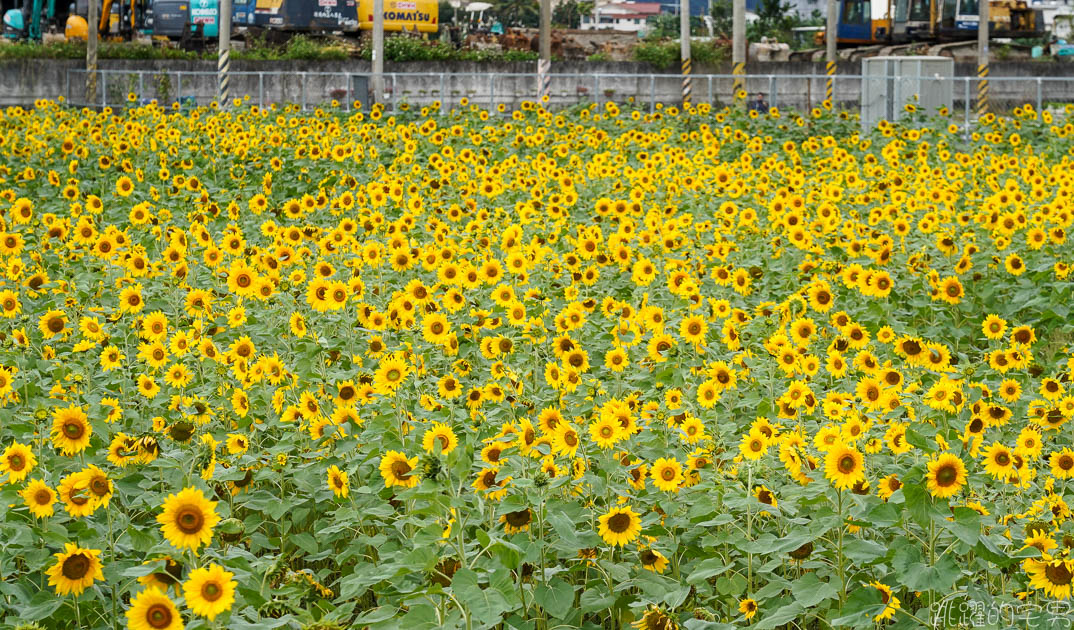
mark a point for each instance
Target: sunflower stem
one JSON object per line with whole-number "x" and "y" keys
{"x": 842, "y": 573}
{"x": 749, "y": 526}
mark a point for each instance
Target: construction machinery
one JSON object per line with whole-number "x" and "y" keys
{"x": 121, "y": 20}
{"x": 25, "y": 22}
{"x": 900, "y": 21}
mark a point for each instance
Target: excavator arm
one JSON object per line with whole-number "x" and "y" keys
{"x": 35, "y": 22}
{"x": 106, "y": 18}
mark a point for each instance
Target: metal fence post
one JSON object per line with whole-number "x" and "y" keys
{"x": 261, "y": 90}
{"x": 1040, "y": 95}
{"x": 303, "y": 91}
{"x": 395, "y": 91}
{"x": 652, "y": 93}
{"x": 104, "y": 88}
{"x": 440, "y": 97}
{"x": 492, "y": 90}
{"x": 709, "y": 100}
{"x": 772, "y": 91}
{"x": 141, "y": 84}
{"x": 966, "y": 106}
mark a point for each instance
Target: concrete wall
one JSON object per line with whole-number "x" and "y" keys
{"x": 786, "y": 84}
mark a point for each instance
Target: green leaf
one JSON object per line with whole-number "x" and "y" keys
{"x": 966, "y": 526}
{"x": 780, "y": 616}
{"x": 809, "y": 590}
{"x": 305, "y": 542}
{"x": 860, "y": 609}
{"x": 486, "y": 606}
{"x": 707, "y": 569}
{"x": 593, "y": 600}
{"x": 556, "y": 597}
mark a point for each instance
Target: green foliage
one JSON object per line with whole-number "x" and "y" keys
{"x": 569, "y": 14}
{"x": 517, "y": 12}
{"x": 299, "y": 47}
{"x": 666, "y": 53}
{"x": 413, "y": 49}
{"x": 77, "y": 50}
{"x": 658, "y": 54}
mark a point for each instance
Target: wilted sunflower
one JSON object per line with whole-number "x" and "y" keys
{"x": 655, "y": 619}
{"x": 188, "y": 518}
{"x": 517, "y": 521}
{"x": 75, "y": 570}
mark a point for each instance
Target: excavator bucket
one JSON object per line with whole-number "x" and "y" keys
{"x": 76, "y": 28}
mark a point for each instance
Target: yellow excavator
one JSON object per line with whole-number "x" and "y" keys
{"x": 120, "y": 19}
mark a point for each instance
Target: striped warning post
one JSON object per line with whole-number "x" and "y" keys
{"x": 223, "y": 68}
{"x": 829, "y": 88}
{"x": 739, "y": 85}
{"x": 687, "y": 82}
{"x": 982, "y": 90}
{"x": 544, "y": 79}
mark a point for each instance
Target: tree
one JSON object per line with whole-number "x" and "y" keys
{"x": 517, "y": 12}
{"x": 722, "y": 18}
{"x": 569, "y": 14}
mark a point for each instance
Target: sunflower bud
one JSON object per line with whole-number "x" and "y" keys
{"x": 541, "y": 479}
{"x": 430, "y": 467}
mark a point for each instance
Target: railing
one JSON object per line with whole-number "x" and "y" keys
{"x": 316, "y": 89}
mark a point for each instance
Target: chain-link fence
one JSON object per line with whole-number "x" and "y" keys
{"x": 801, "y": 92}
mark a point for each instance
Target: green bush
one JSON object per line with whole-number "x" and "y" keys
{"x": 660, "y": 54}
{"x": 77, "y": 50}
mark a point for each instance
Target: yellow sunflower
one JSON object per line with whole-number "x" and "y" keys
{"x": 666, "y": 474}
{"x": 188, "y": 518}
{"x": 619, "y": 526}
{"x": 397, "y": 470}
{"x": 210, "y": 591}
{"x": 17, "y": 461}
{"x": 39, "y": 498}
{"x": 844, "y": 466}
{"x": 153, "y": 610}
{"x": 442, "y": 435}
{"x": 946, "y": 475}
{"x": 75, "y": 570}
{"x": 338, "y": 482}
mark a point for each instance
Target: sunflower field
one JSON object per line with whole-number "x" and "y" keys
{"x": 593, "y": 368}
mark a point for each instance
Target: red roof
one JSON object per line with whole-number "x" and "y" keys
{"x": 631, "y": 8}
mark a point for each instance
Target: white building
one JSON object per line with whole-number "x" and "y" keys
{"x": 630, "y": 17}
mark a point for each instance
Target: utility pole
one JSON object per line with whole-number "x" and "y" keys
{"x": 378, "y": 51}
{"x": 684, "y": 38}
{"x": 738, "y": 47}
{"x": 91, "y": 54}
{"x": 982, "y": 60}
{"x": 831, "y": 33}
{"x": 544, "y": 62}
{"x": 223, "y": 59}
